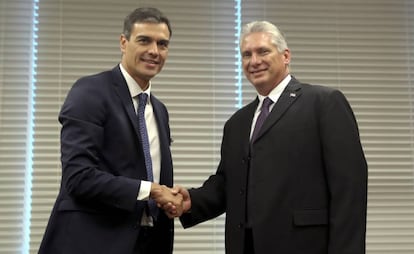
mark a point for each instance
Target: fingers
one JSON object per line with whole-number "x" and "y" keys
{"x": 174, "y": 201}
{"x": 186, "y": 205}
{"x": 168, "y": 199}
{"x": 186, "y": 201}
{"x": 176, "y": 189}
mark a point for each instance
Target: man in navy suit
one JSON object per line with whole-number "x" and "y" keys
{"x": 102, "y": 206}
{"x": 298, "y": 185}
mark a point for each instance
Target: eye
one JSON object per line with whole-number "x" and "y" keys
{"x": 143, "y": 40}
{"x": 264, "y": 51}
{"x": 163, "y": 43}
{"x": 246, "y": 55}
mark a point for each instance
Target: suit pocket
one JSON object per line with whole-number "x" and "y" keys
{"x": 70, "y": 205}
{"x": 314, "y": 217}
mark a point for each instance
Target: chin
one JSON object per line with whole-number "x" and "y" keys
{"x": 258, "y": 82}
{"x": 151, "y": 74}
{"x": 259, "y": 85}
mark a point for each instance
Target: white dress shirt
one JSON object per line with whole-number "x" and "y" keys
{"x": 154, "y": 141}
{"x": 274, "y": 96}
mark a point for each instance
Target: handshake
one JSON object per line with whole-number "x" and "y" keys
{"x": 174, "y": 201}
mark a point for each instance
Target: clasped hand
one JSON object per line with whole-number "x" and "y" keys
{"x": 174, "y": 201}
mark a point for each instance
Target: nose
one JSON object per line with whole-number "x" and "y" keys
{"x": 153, "y": 48}
{"x": 255, "y": 59}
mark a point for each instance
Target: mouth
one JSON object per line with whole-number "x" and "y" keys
{"x": 150, "y": 61}
{"x": 253, "y": 72}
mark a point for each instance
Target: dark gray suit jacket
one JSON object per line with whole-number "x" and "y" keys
{"x": 306, "y": 176}
{"x": 97, "y": 210}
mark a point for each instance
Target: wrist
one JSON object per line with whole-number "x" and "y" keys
{"x": 155, "y": 188}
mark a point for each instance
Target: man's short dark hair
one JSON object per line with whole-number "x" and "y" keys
{"x": 144, "y": 15}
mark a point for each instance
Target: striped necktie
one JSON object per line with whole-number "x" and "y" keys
{"x": 142, "y": 102}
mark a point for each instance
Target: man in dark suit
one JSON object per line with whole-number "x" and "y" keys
{"x": 298, "y": 184}
{"x": 103, "y": 206}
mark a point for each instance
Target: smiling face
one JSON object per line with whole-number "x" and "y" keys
{"x": 145, "y": 52}
{"x": 263, "y": 65}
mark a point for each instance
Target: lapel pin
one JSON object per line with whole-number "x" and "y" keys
{"x": 292, "y": 95}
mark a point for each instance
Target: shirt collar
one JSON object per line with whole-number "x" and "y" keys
{"x": 277, "y": 91}
{"x": 133, "y": 87}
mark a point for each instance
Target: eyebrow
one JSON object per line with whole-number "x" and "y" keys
{"x": 142, "y": 37}
{"x": 150, "y": 38}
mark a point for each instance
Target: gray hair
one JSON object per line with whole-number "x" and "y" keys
{"x": 276, "y": 35}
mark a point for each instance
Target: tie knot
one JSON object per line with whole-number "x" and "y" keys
{"x": 142, "y": 99}
{"x": 266, "y": 103}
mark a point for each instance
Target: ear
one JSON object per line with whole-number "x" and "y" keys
{"x": 286, "y": 55}
{"x": 122, "y": 43}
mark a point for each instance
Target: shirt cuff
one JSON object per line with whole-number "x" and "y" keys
{"x": 144, "y": 190}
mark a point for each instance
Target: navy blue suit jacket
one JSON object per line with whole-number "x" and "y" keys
{"x": 96, "y": 210}
{"x": 306, "y": 176}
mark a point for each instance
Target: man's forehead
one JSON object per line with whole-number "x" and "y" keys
{"x": 256, "y": 40}
{"x": 151, "y": 30}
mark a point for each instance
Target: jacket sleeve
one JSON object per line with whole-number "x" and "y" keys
{"x": 87, "y": 173}
{"x": 346, "y": 171}
{"x": 209, "y": 200}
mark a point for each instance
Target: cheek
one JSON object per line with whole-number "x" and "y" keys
{"x": 164, "y": 56}
{"x": 245, "y": 66}
{"x": 274, "y": 65}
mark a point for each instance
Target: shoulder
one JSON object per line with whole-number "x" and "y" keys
{"x": 326, "y": 99}
{"x": 95, "y": 86}
{"x": 94, "y": 81}
{"x": 317, "y": 88}
{"x": 317, "y": 92}
{"x": 89, "y": 94}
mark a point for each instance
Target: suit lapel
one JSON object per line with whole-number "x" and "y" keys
{"x": 289, "y": 96}
{"x": 247, "y": 118}
{"x": 161, "y": 116}
{"x": 160, "y": 119}
{"x": 121, "y": 89}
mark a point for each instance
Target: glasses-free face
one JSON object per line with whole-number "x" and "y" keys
{"x": 144, "y": 54}
{"x": 263, "y": 65}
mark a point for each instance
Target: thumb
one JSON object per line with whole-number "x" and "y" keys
{"x": 176, "y": 189}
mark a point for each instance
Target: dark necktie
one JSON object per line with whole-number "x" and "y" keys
{"x": 142, "y": 102}
{"x": 264, "y": 112}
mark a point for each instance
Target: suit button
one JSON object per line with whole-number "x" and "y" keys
{"x": 240, "y": 225}
{"x": 241, "y": 192}
{"x": 245, "y": 160}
